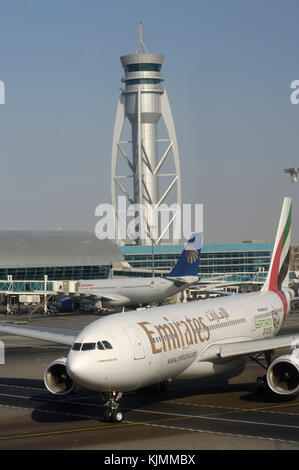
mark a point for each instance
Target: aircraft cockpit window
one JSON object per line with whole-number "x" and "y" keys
{"x": 76, "y": 346}
{"x": 104, "y": 345}
{"x": 88, "y": 346}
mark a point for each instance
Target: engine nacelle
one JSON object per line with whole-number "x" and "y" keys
{"x": 56, "y": 378}
{"x": 67, "y": 305}
{"x": 283, "y": 374}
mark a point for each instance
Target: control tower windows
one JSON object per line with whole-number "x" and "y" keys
{"x": 143, "y": 68}
{"x": 143, "y": 81}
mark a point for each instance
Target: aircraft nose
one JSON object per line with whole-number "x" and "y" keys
{"x": 78, "y": 368}
{"x": 73, "y": 366}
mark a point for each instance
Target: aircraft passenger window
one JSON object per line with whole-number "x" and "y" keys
{"x": 107, "y": 344}
{"x": 88, "y": 346}
{"x": 76, "y": 346}
{"x": 100, "y": 346}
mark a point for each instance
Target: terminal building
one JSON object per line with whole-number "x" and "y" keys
{"x": 59, "y": 255}
{"x": 45, "y": 261}
{"x": 239, "y": 261}
{"x": 34, "y": 265}
{"x": 75, "y": 255}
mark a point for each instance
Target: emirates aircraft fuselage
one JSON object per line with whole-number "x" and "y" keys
{"x": 128, "y": 351}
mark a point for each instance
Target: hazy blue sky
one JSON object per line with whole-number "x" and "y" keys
{"x": 228, "y": 68}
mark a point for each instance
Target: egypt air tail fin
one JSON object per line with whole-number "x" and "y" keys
{"x": 277, "y": 277}
{"x": 188, "y": 262}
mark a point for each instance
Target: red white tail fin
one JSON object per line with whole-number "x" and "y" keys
{"x": 278, "y": 272}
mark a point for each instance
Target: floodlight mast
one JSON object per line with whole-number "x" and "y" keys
{"x": 143, "y": 102}
{"x": 293, "y": 173}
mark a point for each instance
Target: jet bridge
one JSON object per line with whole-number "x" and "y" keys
{"x": 16, "y": 293}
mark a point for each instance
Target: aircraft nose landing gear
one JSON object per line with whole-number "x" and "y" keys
{"x": 112, "y": 413}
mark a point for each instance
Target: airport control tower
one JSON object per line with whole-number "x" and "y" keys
{"x": 145, "y": 177}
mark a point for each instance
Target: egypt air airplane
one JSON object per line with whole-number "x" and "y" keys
{"x": 132, "y": 350}
{"x": 135, "y": 291}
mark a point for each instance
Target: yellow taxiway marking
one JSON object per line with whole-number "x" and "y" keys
{"x": 65, "y": 431}
{"x": 157, "y": 421}
{"x": 270, "y": 407}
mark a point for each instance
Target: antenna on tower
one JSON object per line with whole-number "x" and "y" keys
{"x": 141, "y": 46}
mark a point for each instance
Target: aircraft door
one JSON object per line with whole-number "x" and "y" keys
{"x": 135, "y": 343}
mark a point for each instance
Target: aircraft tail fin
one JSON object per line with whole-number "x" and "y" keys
{"x": 277, "y": 277}
{"x": 188, "y": 262}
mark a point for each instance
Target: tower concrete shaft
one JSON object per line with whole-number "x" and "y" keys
{"x": 143, "y": 102}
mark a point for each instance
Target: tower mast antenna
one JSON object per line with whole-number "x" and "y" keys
{"x": 141, "y": 45}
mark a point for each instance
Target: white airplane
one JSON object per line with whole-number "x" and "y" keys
{"x": 128, "y": 351}
{"x": 144, "y": 290}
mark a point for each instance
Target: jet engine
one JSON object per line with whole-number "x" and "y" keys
{"x": 67, "y": 305}
{"x": 56, "y": 378}
{"x": 283, "y": 374}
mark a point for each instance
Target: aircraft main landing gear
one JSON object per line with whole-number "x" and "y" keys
{"x": 112, "y": 413}
{"x": 261, "y": 385}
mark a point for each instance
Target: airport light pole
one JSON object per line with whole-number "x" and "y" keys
{"x": 153, "y": 262}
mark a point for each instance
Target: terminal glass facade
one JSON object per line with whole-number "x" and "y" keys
{"x": 72, "y": 273}
{"x": 238, "y": 260}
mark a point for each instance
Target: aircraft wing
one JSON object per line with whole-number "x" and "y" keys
{"x": 54, "y": 335}
{"x": 180, "y": 281}
{"x": 109, "y": 297}
{"x": 241, "y": 348}
{"x": 96, "y": 297}
{"x": 220, "y": 292}
{"x": 213, "y": 285}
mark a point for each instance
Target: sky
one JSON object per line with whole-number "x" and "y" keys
{"x": 228, "y": 68}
